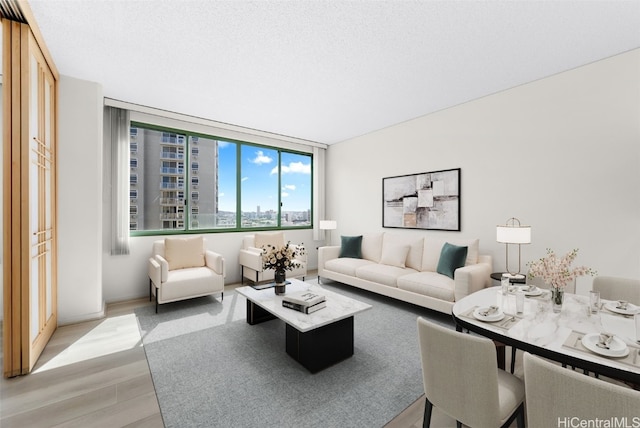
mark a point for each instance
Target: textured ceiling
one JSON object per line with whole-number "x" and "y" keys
{"x": 325, "y": 71}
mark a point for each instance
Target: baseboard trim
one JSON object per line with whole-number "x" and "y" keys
{"x": 84, "y": 317}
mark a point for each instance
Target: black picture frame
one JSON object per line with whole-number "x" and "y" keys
{"x": 427, "y": 200}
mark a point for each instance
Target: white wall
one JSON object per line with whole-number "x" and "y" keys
{"x": 79, "y": 201}
{"x": 562, "y": 154}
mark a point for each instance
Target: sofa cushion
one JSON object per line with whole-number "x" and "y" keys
{"x": 351, "y": 247}
{"x": 382, "y": 274}
{"x": 394, "y": 255}
{"x": 275, "y": 239}
{"x": 430, "y": 284}
{"x": 346, "y": 265}
{"x": 414, "y": 255}
{"x": 183, "y": 253}
{"x": 433, "y": 248}
{"x": 452, "y": 257}
{"x": 372, "y": 246}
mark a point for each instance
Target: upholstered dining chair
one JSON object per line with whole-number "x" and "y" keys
{"x": 182, "y": 268}
{"x": 614, "y": 288}
{"x": 556, "y": 394}
{"x": 461, "y": 378}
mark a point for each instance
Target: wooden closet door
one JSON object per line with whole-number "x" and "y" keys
{"x": 32, "y": 285}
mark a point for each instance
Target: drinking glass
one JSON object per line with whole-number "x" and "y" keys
{"x": 519, "y": 301}
{"x": 594, "y": 301}
{"x": 504, "y": 282}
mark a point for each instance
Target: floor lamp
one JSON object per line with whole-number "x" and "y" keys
{"x": 513, "y": 233}
{"x": 328, "y": 225}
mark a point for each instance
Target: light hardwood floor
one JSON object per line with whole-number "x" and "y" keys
{"x": 91, "y": 374}
{"x": 95, "y": 374}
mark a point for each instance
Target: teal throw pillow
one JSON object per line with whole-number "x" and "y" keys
{"x": 452, "y": 257}
{"x": 351, "y": 247}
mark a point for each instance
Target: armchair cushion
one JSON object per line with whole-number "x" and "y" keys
{"x": 183, "y": 253}
{"x": 275, "y": 239}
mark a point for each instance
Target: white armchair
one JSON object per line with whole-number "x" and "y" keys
{"x": 182, "y": 268}
{"x": 250, "y": 257}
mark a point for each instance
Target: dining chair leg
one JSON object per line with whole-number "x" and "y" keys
{"x": 458, "y": 424}
{"x": 428, "y": 408}
{"x": 513, "y": 359}
{"x": 520, "y": 418}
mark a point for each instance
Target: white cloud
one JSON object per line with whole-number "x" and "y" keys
{"x": 244, "y": 178}
{"x": 289, "y": 187}
{"x": 296, "y": 168}
{"x": 284, "y": 194}
{"x": 261, "y": 158}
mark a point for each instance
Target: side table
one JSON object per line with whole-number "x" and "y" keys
{"x": 498, "y": 277}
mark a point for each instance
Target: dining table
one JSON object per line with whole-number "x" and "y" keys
{"x": 572, "y": 336}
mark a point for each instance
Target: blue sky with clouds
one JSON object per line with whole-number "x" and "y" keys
{"x": 260, "y": 179}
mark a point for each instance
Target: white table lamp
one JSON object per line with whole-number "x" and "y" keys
{"x": 513, "y": 233}
{"x": 328, "y": 225}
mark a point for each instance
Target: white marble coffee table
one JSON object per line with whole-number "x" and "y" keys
{"x": 316, "y": 340}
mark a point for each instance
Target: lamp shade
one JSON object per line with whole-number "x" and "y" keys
{"x": 328, "y": 225}
{"x": 513, "y": 234}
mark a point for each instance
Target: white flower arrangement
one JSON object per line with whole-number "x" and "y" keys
{"x": 281, "y": 258}
{"x": 557, "y": 272}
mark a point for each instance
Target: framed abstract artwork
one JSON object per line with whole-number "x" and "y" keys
{"x": 429, "y": 200}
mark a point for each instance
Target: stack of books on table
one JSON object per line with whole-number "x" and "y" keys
{"x": 304, "y": 301}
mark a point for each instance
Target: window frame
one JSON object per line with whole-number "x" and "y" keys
{"x": 185, "y": 157}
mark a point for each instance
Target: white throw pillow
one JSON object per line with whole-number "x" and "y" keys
{"x": 183, "y": 253}
{"x": 394, "y": 255}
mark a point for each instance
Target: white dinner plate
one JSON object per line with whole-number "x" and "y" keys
{"x": 496, "y": 316}
{"x": 536, "y": 291}
{"x": 631, "y": 308}
{"x": 617, "y": 348}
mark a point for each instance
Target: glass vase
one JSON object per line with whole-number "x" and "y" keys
{"x": 557, "y": 298}
{"x": 280, "y": 278}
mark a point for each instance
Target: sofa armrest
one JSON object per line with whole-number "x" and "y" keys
{"x": 214, "y": 261}
{"x": 469, "y": 279}
{"x": 154, "y": 271}
{"x": 325, "y": 254}
{"x": 164, "y": 268}
{"x": 251, "y": 258}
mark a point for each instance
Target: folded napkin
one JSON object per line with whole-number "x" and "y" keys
{"x": 489, "y": 311}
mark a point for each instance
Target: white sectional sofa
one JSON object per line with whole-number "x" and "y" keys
{"x": 405, "y": 267}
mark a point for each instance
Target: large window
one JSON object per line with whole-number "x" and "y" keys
{"x": 189, "y": 182}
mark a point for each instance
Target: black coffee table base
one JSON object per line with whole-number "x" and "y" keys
{"x": 315, "y": 349}
{"x": 321, "y": 347}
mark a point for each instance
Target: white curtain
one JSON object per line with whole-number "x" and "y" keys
{"x": 120, "y": 167}
{"x": 319, "y": 210}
